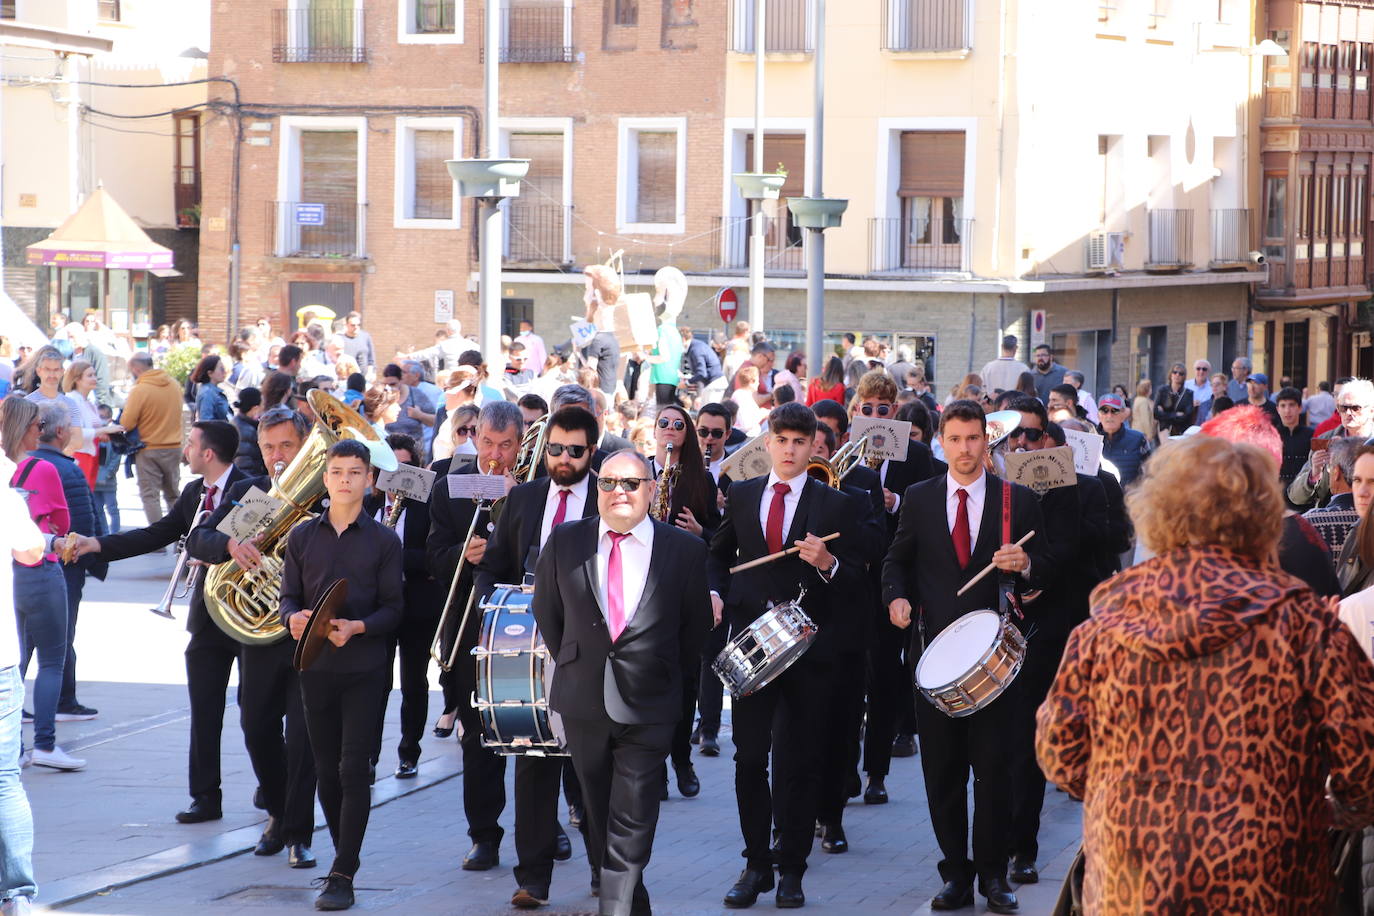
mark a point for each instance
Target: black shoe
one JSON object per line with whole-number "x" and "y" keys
{"x": 441, "y": 731}
{"x": 76, "y": 713}
{"x": 337, "y": 893}
{"x": 790, "y": 895}
{"x": 746, "y": 891}
{"x": 298, "y": 855}
{"x": 953, "y": 896}
{"x": 562, "y": 850}
{"x": 687, "y": 783}
{"x": 483, "y": 855}
{"x": 709, "y": 746}
{"x": 575, "y": 816}
{"x": 1023, "y": 871}
{"x": 833, "y": 839}
{"x": 876, "y": 793}
{"x": 1000, "y": 897}
{"x": 199, "y": 812}
{"x": 695, "y": 739}
{"x": 904, "y": 746}
{"x": 270, "y": 843}
{"x": 529, "y": 898}
{"x": 259, "y": 800}
{"x": 853, "y": 788}
{"x": 407, "y": 769}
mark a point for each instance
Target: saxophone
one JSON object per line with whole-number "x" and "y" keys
{"x": 667, "y": 479}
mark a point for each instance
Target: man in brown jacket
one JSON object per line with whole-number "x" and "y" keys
{"x": 154, "y": 410}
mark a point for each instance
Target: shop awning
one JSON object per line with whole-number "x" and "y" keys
{"x": 100, "y": 235}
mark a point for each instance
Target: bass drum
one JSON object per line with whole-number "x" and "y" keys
{"x": 514, "y": 673}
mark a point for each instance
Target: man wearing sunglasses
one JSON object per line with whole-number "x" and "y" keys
{"x": 876, "y": 396}
{"x": 622, "y": 606}
{"x": 764, "y": 515}
{"x": 1124, "y": 447}
{"x": 532, "y": 511}
{"x": 1355, "y": 409}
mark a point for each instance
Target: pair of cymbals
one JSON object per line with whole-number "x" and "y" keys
{"x": 316, "y": 636}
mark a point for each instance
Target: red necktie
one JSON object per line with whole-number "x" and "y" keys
{"x": 963, "y": 546}
{"x": 776, "y": 512}
{"x": 615, "y": 591}
{"x": 210, "y": 492}
{"x": 562, "y": 511}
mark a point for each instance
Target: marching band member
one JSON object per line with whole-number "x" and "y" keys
{"x": 623, "y": 608}
{"x": 532, "y": 511}
{"x": 270, "y": 712}
{"x": 762, "y": 516}
{"x": 345, "y": 689}
{"x": 713, "y": 427}
{"x": 949, "y": 529}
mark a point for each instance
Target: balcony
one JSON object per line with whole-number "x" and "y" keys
{"x": 317, "y": 229}
{"x": 318, "y": 36}
{"x": 782, "y": 244}
{"x": 786, "y": 22}
{"x": 1171, "y": 240}
{"x": 1230, "y": 238}
{"x": 534, "y": 33}
{"x": 925, "y": 25}
{"x": 186, "y": 199}
{"x": 900, "y": 245}
{"x": 538, "y": 235}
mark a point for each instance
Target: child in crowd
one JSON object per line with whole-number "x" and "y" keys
{"x": 106, "y": 479}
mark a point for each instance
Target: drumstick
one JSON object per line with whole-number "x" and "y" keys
{"x": 777, "y": 556}
{"x": 989, "y": 568}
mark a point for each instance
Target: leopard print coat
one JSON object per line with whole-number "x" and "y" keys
{"x": 1199, "y": 714}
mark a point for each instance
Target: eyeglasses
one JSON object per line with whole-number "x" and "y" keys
{"x": 628, "y": 484}
{"x": 1108, "y": 410}
{"x": 1030, "y": 435}
{"x": 705, "y": 433}
{"x": 1351, "y": 408}
{"x": 558, "y": 448}
{"x": 665, "y": 423}
{"x": 465, "y": 430}
{"x": 881, "y": 410}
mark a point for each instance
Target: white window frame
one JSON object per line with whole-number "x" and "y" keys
{"x": 404, "y": 173}
{"x": 293, "y": 38}
{"x": 889, "y": 171}
{"x": 562, "y": 126}
{"x": 737, "y": 133}
{"x": 405, "y": 14}
{"x": 627, "y": 176}
{"x": 289, "y": 167}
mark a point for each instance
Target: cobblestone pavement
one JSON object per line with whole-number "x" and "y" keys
{"x": 107, "y": 843}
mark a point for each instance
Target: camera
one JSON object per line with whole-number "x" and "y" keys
{"x": 1257, "y": 257}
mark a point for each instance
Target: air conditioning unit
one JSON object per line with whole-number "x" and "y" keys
{"x": 1104, "y": 252}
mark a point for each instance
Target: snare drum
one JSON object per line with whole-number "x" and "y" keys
{"x": 514, "y": 672}
{"x": 765, "y": 648}
{"x": 970, "y": 663}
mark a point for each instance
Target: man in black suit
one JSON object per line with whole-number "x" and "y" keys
{"x": 593, "y": 403}
{"x": 764, "y": 515}
{"x": 270, "y": 710}
{"x": 950, "y": 528}
{"x": 530, "y": 514}
{"x": 210, "y": 653}
{"x": 500, "y": 426}
{"x": 623, "y": 607}
{"x": 713, "y": 428}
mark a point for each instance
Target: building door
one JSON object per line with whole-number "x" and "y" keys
{"x": 337, "y": 296}
{"x": 1150, "y": 354}
{"x": 514, "y": 311}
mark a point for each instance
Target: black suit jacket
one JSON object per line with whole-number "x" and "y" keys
{"x": 901, "y": 475}
{"x": 514, "y": 544}
{"x": 921, "y": 565}
{"x": 449, "y": 521}
{"x": 638, "y": 679}
{"x": 414, "y": 536}
{"x": 205, "y": 543}
{"x": 863, "y": 477}
{"x": 741, "y": 538}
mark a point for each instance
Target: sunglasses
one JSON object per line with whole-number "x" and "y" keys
{"x": 882, "y": 410}
{"x": 558, "y": 448}
{"x": 1108, "y": 410}
{"x": 665, "y": 423}
{"x": 465, "y": 430}
{"x": 705, "y": 433}
{"x": 628, "y": 484}
{"x": 1030, "y": 435}
{"x": 1350, "y": 408}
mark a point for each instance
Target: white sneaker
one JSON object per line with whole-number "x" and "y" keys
{"x": 57, "y": 758}
{"x": 16, "y": 906}
{"x": 25, "y": 761}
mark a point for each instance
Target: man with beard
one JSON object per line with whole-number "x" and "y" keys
{"x": 531, "y": 512}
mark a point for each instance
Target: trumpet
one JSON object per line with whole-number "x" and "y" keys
{"x": 185, "y": 574}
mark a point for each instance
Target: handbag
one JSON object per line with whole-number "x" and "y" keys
{"x": 1070, "y": 902}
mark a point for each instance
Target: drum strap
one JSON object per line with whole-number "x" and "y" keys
{"x": 1007, "y": 601}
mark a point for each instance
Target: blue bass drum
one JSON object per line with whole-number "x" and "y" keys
{"x": 514, "y": 672}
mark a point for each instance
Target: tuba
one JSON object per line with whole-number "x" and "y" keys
{"x": 245, "y": 604}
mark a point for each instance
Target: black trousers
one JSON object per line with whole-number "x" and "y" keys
{"x": 537, "y": 780}
{"x": 484, "y": 771}
{"x": 840, "y": 746}
{"x": 210, "y": 655}
{"x": 411, "y": 642}
{"x": 681, "y": 751}
{"x": 76, "y": 584}
{"x": 341, "y": 712}
{"x": 890, "y": 696}
{"x": 986, "y": 743}
{"x": 665, "y": 394}
{"x": 606, "y": 349}
{"x": 1044, "y": 650}
{"x": 799, "y": 700}
{"x": 621, "y": 769}
{"x": 710, "y": 691}
{"x": 282, "y": 760}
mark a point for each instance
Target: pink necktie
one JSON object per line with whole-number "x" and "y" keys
{"x": 615, "y": 592}
{"x": 561, "y": 512}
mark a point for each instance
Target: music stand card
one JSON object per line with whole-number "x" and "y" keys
{"x": 1087, "y": 451}
{"x": 749, "y": 460}
{"x": 887, "y": 439}
{"x": 247, "y": 517}
{"x": 408, "y": 481}
{"x": 486, "y": 487}
{"x": 1047, "y": 469}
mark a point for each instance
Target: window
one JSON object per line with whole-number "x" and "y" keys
{"x": 1304, "y": 203}
{"x": 186, "y": 153}
{"x": 7, "y": 9}
{"x": 626, "y": 12}
{"x": 932, "y": 191}
{"x": 424, "y": 192}
{"x": 107, "y": 10}
{"x": 537, "y": 222}
{"x": 429, "y": 21}
{"x": 321, "y": 202}
{"x": 652, "y": 180}
{"x": 1275, "y": 207}
{"x": 1294, "y": 364}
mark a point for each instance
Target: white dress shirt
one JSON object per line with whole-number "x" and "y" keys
{"x": 219, "y": 483}
{"x": 385, "y": 509}
{"x": 789, "y": 512}
{"x": 977, "y": 495}
{"x": 577, "y": 500}
{"x": 714, "y": 468}
{"x": 635, "y": 551}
